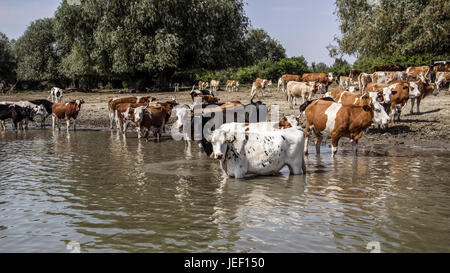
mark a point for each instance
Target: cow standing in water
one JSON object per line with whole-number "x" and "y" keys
{"x": 66, "y": 111}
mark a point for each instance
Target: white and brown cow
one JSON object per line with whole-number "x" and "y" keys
{"x": 442, "y": 78}
{"x": 259, "y": 85}
{"x": 424, "y": 73}
{"x": 425, "y": 90}
{"x": 344, "y": 81}
{"x": 338, "y": 120}
{"x": 388, "y": 76}
{"x": 151, "y": 119}
{"x": 232, "y": 85}
{"x": 67, "y": 111}
{"x": 113, "y": 103}
{"x": 244, "y": 148}
{"x": 363, "y": 80}
{"x": 202, "y": 85}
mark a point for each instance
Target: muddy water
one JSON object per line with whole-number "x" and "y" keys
{"x": 111, "y": 195}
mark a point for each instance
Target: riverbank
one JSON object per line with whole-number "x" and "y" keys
{"x": 428, "y": 129}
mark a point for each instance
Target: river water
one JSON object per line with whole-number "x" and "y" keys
{"x": 94, "y": 189}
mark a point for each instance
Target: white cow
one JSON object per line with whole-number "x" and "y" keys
{"x": 55, "y": 94}
{"x": 245, "y": 150}
{"x": 300, "y": 90}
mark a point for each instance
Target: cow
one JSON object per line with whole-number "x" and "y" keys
{"x": 339, "y": 121}
{"x": 389, "y": 67}
{"x": 214, "y": 85}
{"x": 300, "y": 89}
{"x": 442, "y": 78}
{"x": 67, "y": 111}
{"x": 363, "y": 80}
{"x": 425, "y": 90}
{"x": 202, "y": 119}
{"x": 402, "y": 91}
{"x": 388, "y": 76}
{"x": 16, "y": 113}
{"x": 112, "y": 104}
{"x": 169, "y": 105}
{"x": 55, "y": 94}
{"x": 232, "y": 85}
{"x": 202, "y": 85}
{"x": 48, "y": 109}
{"x": 354, "y": 73}
{"x": 259, "y": 85}
{"x": 371, "y": 98}
{"x": 35, "y": 110}
{"x": 441, "y": 67}
{"x": 151, "y": 119}
{"x": 195, "y": 93}
{"x": 176, "y": 87}
{"x": 125, "y": 114}
{"x": 344, "y": 81}
{"x": 289, "y": 77}
{"x": 424, "y": 73}
{"x": 323, "y": 78}
{"x": 250, "y": 150}
{"x": 385, "y": 90}
{"x": 280, "y": 84}
{"x": 207, "y": 99}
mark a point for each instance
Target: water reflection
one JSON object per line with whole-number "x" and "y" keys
{"x": 115, "y": 194}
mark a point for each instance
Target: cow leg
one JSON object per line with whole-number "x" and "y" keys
{"x": 42, "y": 121}
{"x": 355, "y": 147}
{"x": 418, "y": 105}
{"x": 53, "y": 122}
{"x": 74, "y": 125}
{"x": 68, "y": 124}
{"x": 412, "y": 106}
{"x": 306, "y": 136}
{"x": 318, "y": 142}
{"x": 334, "y": 144}
{"x": 111, "y": 120}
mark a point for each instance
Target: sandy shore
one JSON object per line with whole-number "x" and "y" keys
{"x": 429, "y": 129}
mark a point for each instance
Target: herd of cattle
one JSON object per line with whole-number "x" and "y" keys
{"x": 238, "y": 134}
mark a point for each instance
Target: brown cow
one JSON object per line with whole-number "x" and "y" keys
{"x": 425, "y": 90}
{"x": 363, "y": 80}
{"x": 337, "y": 120}
{"x": 354, "y": 73}
{"x": 151, "y": 119}
{"x": 112, "y": 104}
{"x": 288, "y": 78}
{"x": 424, "y": 73}
{"x": 67, "y": 111}
{"x": 323, "y": 78}
{"x": 441, "y": 67}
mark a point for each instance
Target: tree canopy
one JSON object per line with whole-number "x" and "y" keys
{"x": 371, "y": 28}
{"x": 7, "y": 61}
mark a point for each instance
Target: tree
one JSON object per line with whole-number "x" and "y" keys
{"x": 7, "y": 61}
{"x": 137, "y": 39}
{"x": 261, "y": 47}
{"x": 371, "y": 28}
{"x": 36, "y": 52}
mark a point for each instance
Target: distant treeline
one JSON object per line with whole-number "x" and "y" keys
{"x": 147, "y": 44}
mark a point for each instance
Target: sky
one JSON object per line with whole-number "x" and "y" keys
{"x": 303, "y": 27}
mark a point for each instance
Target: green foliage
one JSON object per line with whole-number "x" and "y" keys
{"x": 272, "y": 70}
{"x": 7, "y": 61}
{"x": 36, "y": 52}
{"x": 393, "y": 27}
{"x": 261, "y": 47}
{"x": 366, "y": 64}
{"x": 340, "y": 67}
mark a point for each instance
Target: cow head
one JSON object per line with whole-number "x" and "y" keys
{"x": 414, "y": 91}
{"x": 220, "y": 141}
{"x": 40, "y": 110}
{"x": 379, "y": 114}
{"x": 330, "y": 77}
